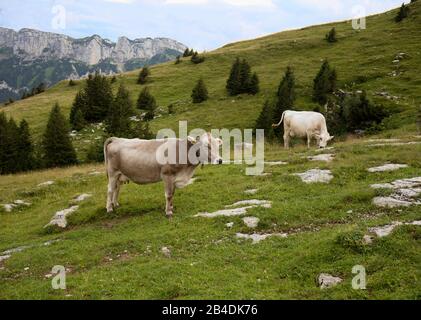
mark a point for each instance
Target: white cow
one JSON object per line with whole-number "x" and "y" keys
{"x": 305, "y": 124}
{"x": 140, "y": 161}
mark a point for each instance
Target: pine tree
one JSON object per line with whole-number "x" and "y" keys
{"x": 57, "y": 146}
{"x": 324, "y": 83}
{"x": 78, "y": 110}
{"x": 331, "y": 36}
{"x": 178, "y": 60}
{"x": 144, "y": 75}
{"x": 99, "y": 98}
{"x": 4, "y": 143}
{"x": 200, "y": 92}
{"x": 25, "y": 148}
{"x": 12, "y": 152}
{"x": 265, "y": 120}
{"x": 241, "y": 79}
{"x": 253, "y": 87}
{"x": 196, "y": 58}
{"x": 403, "y": 13}
{"x": 147, "y": 102}
{"x": 285, "y": 95}
{"x": 233, "y": 82}
{"x": 118, "y": 122}
{"x": 186, "y": 53}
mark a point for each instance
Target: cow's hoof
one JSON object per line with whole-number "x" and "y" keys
{"x": 116, "y": 205}
{"x": 169, "y": 216}
{"x": 110, "y": 210}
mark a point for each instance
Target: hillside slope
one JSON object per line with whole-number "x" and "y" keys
{"x": 310, "y": 229}
{"x": 363, "y": 59}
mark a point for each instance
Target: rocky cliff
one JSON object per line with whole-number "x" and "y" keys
{"x": 28, "y": 57}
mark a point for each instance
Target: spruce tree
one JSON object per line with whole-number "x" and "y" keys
{"x": 233, "y": 82}
{"x": 178, "y": 60}
{"x": 11, "y": 157}
{"x": 25, "y": 148}
{"x": 57, "y": 146}
{"x": 147, "y": 102}
{"x": 265, "y": 120}
{"x": 285, "y": 97}
{"x": 200, "y": 92}
{"x": 144, "y": 75}
{"x": 142, "y": 131}
{"x": 403, "y": 13}
{"x": 324, "y": 83}
{"x": 331, "y": 36}
{"x": 118, "y": 122}
{"x": 4, "y": 143}
{"x": 196, "y": 58}
{"x": 253, "y": 87}
{"x": 78, "y": 111}
{"x": 99, "y": 97}
{"x": 245, "y": 76}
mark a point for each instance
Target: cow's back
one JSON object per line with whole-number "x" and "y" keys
{"x": 299, "y": 123}
{"x": 135, "y": 159}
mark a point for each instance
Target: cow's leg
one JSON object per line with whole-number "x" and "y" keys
{"x": 116, "y": 193}
{"x": 169, "y": 195}
{"x": 286, "y": 139}
{"x": 309, "y": 136}
{"x": 112, "y": 182}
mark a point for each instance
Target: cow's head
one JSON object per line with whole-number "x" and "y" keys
{"x": 207, "y": 149}
{"x": 323, "y": 139}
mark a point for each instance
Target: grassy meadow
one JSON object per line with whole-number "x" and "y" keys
{"x": 119, "y": 255}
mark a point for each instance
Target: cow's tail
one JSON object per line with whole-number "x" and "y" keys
{"x": 282, "y": 119}
{"x": 106, "y": 144}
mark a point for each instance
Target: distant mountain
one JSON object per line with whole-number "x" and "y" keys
{"x": 29, "y": 57}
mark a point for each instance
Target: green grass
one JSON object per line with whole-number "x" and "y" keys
{"x": 207, "y": 260}
{"x": 118, "y": 256}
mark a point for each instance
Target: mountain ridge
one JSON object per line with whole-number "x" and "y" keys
{"x": 27, "y": 52}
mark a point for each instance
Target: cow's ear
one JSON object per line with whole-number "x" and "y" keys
{"x": 220, "y": 142}
{"x": 331, "y": 138}
{"x": 192, "y": 140}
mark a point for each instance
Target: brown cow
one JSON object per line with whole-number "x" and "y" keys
{"x": 149, "y": 161}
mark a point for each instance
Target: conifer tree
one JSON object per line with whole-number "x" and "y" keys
{"x": 99, "y": 97}
{"x": 144, "y": 75}
{"x": 142, "y": 131}
{"x": 200, "y": 92}
{"x": 118, "y": 122}
{"x": 265, "y": 120}
{"x": 285, "y": 95}
{"x": 3, "y": 142}
{"x": 78, "y": 110}
{"x": 403, "y": 13}
{"x": 178, "y": 60}
{"x": 324, "y": 83}
{"x": 253, "y": 87}
{"x": 26, "y": 160}
{"x": 196, "y": 58}
{"x": 419, "y": 119}
{"x": 331, "y": 36}
{"x": 147, "y": 102}
{"x": 57, "y": 147}
{"x": 233, "y": 82}
{"x": 11, "y": 157}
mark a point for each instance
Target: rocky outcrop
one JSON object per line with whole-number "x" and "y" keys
{"x": 32, "y": 44}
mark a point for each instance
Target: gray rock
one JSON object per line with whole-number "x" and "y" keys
{"x": 256, "y": 238}
{"x": 60, "y": 218}
{"x": 388, "y": 167}
{"x": 315, "y": 176}
{"x": 328, "y": 281}
{"x": 251, "y": 222}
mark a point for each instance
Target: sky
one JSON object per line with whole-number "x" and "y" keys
{"x": 200, "y": 24}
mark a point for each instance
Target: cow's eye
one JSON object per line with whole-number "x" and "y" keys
{"x": 198, "y": 153}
